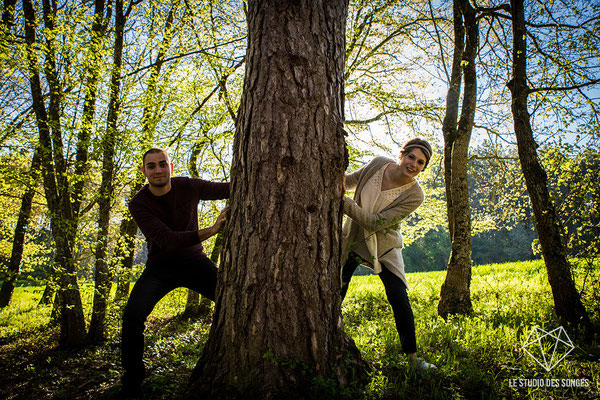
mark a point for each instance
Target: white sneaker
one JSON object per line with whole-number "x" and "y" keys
{"x": 422, "y": 365}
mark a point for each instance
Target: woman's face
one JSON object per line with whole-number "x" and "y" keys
{"x": 412, "y": 163}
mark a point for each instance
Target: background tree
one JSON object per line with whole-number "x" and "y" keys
{"x": 455, "y": 296}
{"x": 567, "y": 302}
{"x": 102, "y": 274}
{"x": 64, "y": 209}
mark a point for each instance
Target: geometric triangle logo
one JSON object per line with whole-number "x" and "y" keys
{"x": 548, "y": 348}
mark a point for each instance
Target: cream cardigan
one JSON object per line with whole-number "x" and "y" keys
{"x": 376, "y": 237}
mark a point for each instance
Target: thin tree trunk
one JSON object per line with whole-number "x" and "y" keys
{"x": 204, "y": 307}
{"x": 452, "y": 107}
{"x": 16, "y": 255}
{"x": 102, "y": 275}
{"x": 198, "y": 306}
{"x": 49, "y": 292}
{"x": 124, "y": 255}
{"x": 192, "y": 305}
{"x": 455, "y": 296}
{"x": 277, "y": 321}
{"x": 99, "y": 26}
{"x": 567, "y": 302}
{"x": 8, "y": 13}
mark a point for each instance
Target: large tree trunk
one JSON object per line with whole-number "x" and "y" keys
{"x": 102, "y": 274}
{"x": 277, "y": 320}
{"x": 455, "y": 297}
{"x": 567, "y": 302}
{"x": 8, "y": 285}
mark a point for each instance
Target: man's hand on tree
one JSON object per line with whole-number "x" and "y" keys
{"x": 221, "y": 219}
{"x": 205, "y": 233}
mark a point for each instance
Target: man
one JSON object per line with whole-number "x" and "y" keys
{"x": 166, "y": 211}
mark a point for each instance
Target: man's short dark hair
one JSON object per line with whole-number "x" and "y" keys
{"x": 153, "y": 150}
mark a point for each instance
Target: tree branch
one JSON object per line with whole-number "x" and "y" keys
{"x": 495, "y": 157}
{"x": 439, "y": 41}
{"x": 565, "y": 88}
{"x": 368, "y": 121}
{"x": 178, "y": 56}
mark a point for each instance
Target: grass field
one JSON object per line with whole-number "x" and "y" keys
{"x": 478, "y": 357}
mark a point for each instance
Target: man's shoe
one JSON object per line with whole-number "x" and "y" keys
{"x": 130, "y": 391}
{"x": 131, "y": 385}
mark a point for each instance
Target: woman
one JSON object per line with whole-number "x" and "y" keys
{"x": 386, "y": 192}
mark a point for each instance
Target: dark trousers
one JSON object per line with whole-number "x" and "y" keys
{"x": 395, "y": 289}
{"x": 158, "y": 279}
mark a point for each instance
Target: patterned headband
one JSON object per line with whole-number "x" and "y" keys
{"x": 425, "y": 150}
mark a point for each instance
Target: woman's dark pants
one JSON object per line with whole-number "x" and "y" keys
{"x": 397, "y": 296}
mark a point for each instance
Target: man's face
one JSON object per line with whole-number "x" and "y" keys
{"x": 157, "y": 168}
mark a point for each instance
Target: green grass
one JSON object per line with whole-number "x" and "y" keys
{"x": 478, "y": 356}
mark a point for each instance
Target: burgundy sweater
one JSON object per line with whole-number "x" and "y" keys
{"x": 170, "y": 222}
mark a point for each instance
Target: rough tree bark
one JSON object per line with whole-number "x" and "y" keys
{"x": 277, "y": 320}
{"x": 567, "y": 302}
{"x": 455, "y": 297}
{"x": 8, "y": 285}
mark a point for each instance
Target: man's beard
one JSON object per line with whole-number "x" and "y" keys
{"x": 160, "y": 184}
